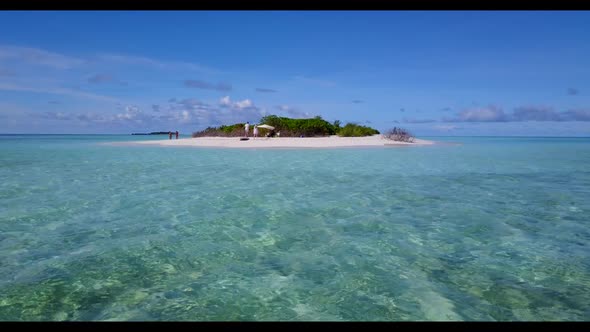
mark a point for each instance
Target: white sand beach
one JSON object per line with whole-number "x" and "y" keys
{"x": 285, "y": 142}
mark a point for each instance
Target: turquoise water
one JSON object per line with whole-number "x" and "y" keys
{"x": 492, "y": 229}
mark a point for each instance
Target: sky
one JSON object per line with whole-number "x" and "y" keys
{"x": 457, "y": 73}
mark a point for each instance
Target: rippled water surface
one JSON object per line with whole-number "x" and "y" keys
{"x": 491, "y": 229}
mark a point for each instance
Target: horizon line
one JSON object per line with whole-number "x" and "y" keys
{"x": 131, "y": 134}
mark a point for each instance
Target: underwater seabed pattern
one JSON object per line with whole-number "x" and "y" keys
{"x": 493, "y": 229}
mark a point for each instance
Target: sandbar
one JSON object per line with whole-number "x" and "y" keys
{"x": 284, "y": 142}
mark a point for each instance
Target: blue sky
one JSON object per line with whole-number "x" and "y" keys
{"x": 433, "y": 72}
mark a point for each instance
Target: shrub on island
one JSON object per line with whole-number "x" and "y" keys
{"x": 399, "y": 135}
{"x": 354, "y": 130}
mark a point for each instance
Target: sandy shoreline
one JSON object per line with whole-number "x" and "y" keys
{"x": 282, "y": 142}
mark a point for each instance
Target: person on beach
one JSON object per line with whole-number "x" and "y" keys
{"x": 247, "y": 128}
{"x": 169, "y": 135}
{"x": 177, "y": 134}
{"x": 255, "y": 131}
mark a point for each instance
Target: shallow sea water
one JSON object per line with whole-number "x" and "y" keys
{"x": 493, "y": 229}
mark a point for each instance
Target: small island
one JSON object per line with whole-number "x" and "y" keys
{"x": 283, "y": 132}
{"x": 288, "y": 127}
{"x": 153, "y": 133}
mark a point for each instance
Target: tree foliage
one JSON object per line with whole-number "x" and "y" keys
{"x": 300, "y": 127}
{"x": 234, "y": 130}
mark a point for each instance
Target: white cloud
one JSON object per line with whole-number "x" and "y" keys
{"x": 520, "y": 114}
{"x": 445, "y": 127}
{"x": 244, "y": 104}
{"x": 159, "y": 64}
{"x": 225, "y": 101}
{"x": 480, "y": 114}
{"x": 238, "y": 105}
{"x": 185, "y": 116}
{"x": 39, "y": 57}
{"x": 293, "y": 112}
{"x": 132, "y": 114}
{"x": 54, "y": 90}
